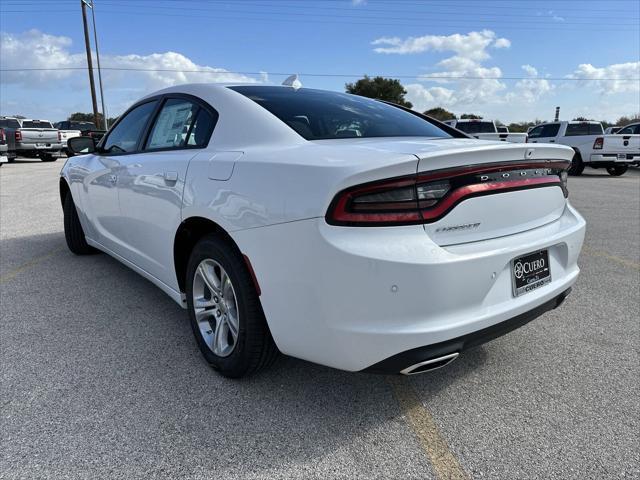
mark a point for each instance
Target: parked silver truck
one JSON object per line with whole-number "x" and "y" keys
{"x": 34, "y": 138}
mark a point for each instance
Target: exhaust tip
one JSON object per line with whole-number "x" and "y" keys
{"x": 431, "y": 364}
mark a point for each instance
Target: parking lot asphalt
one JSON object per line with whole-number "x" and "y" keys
{"x": 101, "y": 378}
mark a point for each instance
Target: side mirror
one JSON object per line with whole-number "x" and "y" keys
{"x": 81, "y": 145}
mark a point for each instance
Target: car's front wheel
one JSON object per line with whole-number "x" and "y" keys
{"x": 225, "y": 310}
{"x": 617, "y": 170}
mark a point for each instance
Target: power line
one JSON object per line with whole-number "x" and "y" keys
{"x": 421, "y": 77}
{"x": 338, "y": 21}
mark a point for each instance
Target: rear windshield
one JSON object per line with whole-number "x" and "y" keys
{"x": 36, "y": 124}
{"x": 576, "y": 129}
{"x": 9, "y": 123}
{"x": 82, "y": 126}
{"x": 476, "y": 127}
{"x": 322, "y": 115}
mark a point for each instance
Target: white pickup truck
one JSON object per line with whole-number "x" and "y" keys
{"x": 486, "y": 130}
{"x": 593, "y": 148}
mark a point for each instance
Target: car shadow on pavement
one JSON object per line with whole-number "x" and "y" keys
{"x": 108, "y": 362}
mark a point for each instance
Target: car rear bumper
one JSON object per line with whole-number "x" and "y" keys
{"x": 351, "y": 298}
{"x": 612, "y": 158}
{"x": 33, "y": 147}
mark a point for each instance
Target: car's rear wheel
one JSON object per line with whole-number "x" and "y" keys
{"x": 73, "y": 233}
{"x": 617, "y": 170}
{"x": 47, "y": 157}
{"x": 225, "y": 311}
{"x": 577, "y": 167}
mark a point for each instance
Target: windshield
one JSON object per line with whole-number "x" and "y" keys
{"x": 323, "y": 115}
{"x": 36, "y": 124}
{"x": 476, "y": 127}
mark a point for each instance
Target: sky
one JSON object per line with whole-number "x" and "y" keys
{"x": 506, "y": 60}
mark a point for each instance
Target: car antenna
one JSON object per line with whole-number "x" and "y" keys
{"x": 293, "y": 82}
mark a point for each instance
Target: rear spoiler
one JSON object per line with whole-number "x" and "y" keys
{"x": 454, "y": 132}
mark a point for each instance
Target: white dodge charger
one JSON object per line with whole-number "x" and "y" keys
{"x": 334, "y": 228}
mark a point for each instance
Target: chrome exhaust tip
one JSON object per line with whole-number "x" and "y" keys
{"x": 431, "y": 364}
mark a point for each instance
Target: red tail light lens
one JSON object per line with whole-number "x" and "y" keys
{"x": 18, "y": 136}
{"x": 3, "y": 137}
{"x": 426, "y": 198}
{"x": 598, "y": 144}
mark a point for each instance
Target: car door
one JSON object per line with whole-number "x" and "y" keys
{"x": 544, "y": 133}
{"x": 104, "y": 168}
{"x": 151, "y": 183}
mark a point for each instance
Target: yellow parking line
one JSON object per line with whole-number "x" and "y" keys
{"x": 18, "y": 270}
{"x": 623, "y": 261}
{"x": 444, "y": 462}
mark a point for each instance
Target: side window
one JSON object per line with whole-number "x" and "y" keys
{"x": 202, "y": 129}
{"x": 551, "y": 130}
{"x": 173, "y": 124}
{"x": 126, "y": 134}
{"x": 536, "y": 132}
{"x": 630, "y": 130}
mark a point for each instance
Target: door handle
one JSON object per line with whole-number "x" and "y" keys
{"x": 170, "y": 176}
{"x": 552, "y": 141}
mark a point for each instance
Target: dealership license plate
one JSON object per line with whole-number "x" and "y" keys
{"x": 530, "y": 272}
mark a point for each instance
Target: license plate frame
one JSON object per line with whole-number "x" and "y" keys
{"x": 530, "y": 272}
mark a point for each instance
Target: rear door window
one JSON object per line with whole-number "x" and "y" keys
{"x": 172, "y": 125}
{"x": 202, "y": 129}
{"x": 127, "y": 133}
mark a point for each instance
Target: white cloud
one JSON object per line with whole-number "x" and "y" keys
{"x": 616, "y": 78}
{"x": 472, "y": 45}
{"x": 531, "y": 71}
{"x": 502, "y": 43}
{"x": 34, "y": 49}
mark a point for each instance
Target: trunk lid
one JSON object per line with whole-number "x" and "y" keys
{"x": 39, "y": 135}
{"x": 621, "y": 144}
{"x": 523, "y": 204}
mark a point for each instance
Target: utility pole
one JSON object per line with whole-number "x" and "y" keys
{"x": 557, "y": 114}
{"x": 95, "y": 40}
{"x": 89, "y": 62}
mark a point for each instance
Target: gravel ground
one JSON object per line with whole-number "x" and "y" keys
{"x": 100, "y": 376}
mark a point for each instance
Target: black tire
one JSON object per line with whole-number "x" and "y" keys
{"x": 577, "y": 167}
{"x": 254, "y": 348}
{"x": 11, "y": 159}
{"x": 73, "y": 233}
{"x": 47, "y": 157}
{"x": 617, "y": 170}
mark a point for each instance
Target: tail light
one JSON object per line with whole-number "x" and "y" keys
{"x": 3, "y": 137}
{"x": 59, "y": 136}
{"x": 18, "y": 136}
{"x": 426, "y": 198}
{"x": 598, "y": 144}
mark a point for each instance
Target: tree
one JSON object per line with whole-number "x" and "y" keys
{"x": 470, "y": 116}
{"x": 582, "y": 119}
{"x": 440, "y": 113}
{"x": 624, "y": 120}
{"x": 387, "y": 89}
{"x": 88, "y": 117}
